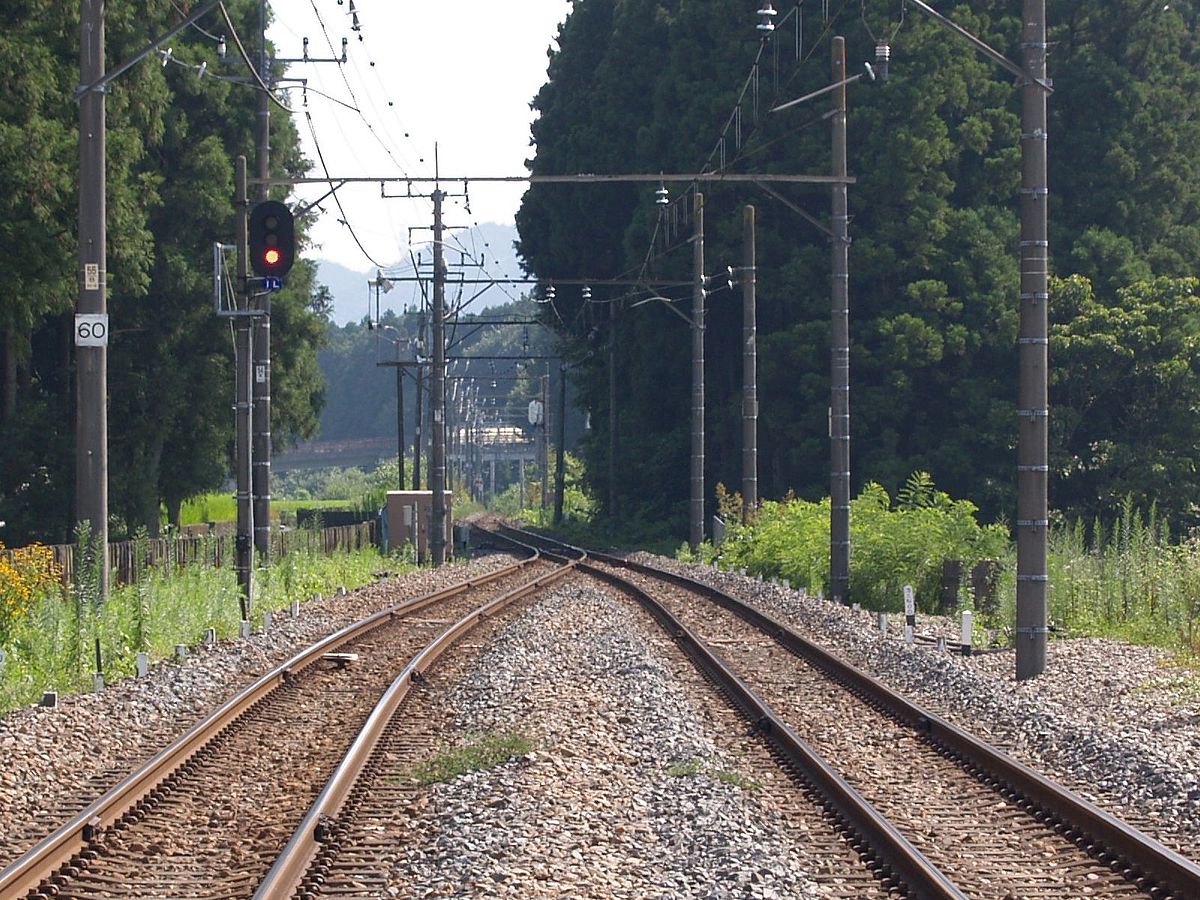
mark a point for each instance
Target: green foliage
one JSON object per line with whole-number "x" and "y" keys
{"x": 172, "y": 139}
{"x": 645, "y": 85}
{"x": 482, "y": 753}
{"x": 52, "y": 648}
{"x": 1124, "y": 394}
{"x": 696, "y": 766}
{"x": 1126, "y": 580}
{"x": 893, "y": 544}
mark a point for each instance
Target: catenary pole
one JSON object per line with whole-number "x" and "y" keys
{"x": 839, "y": 404}
{"x": 243, "y": 403}
{"x": 419, "y": 428}
{"x": 400, "y": 420}
{"x": 91, "y": 361}
{"x": 560, "y": 450}
{"x": 749, "y": 370}
{"x": 545, "y": 454}
{"x": 437, "y": 390}
{"x": 261, "y": 388}
{"x": 697, "y": 474}
{"x": 612, "y": 410}
{"x": 1033, "y": 407}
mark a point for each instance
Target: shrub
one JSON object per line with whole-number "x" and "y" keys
{"x": 893, "y": 544}
{"x": 26, "y": 575}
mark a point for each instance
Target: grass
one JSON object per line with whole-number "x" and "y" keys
{"x": 483, "y": 753}
{"x": 223, "y": 508}
{"x": 54, "y": 646}
{"x": 696, "y": 766}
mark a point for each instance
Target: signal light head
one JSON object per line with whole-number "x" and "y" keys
{"x": 272, "y": 239}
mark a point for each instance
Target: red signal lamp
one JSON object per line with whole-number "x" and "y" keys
{"x": 272, "y": 239}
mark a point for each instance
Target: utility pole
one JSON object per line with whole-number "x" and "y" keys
{"x": 244, "y": 407}
{"x": 612, "y": 409}
{"x": 400, "y": 418}
{"x": 437, "y": 386}
{"x": 1033, "y": 470}
{"x": 749, "y": 371}
{"x": 91, "y": 359}
{"x": 261, "y": 389}
{"x": 839, "y": 404}
{"x": 560, "y": 450}
{"x": 697, "y": 479}
{"x": 419, "y": 425}
{"x": 545, "y": 454}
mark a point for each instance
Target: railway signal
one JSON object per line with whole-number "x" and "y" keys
{"x": 272, "y": 239}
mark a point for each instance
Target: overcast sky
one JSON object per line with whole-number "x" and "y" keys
{"x": 460, "y": 74}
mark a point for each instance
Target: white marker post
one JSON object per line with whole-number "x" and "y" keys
{"x": 910, "y": 613}
{"x": 968, "y": 629}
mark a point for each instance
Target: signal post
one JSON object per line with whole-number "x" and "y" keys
{"x": 266, "y": 245}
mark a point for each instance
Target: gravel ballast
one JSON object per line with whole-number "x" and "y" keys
{"x": 1109, "y": 720}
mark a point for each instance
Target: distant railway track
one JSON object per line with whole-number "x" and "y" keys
{"x": 933, "y": 810}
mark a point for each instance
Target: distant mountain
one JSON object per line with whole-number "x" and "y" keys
{"x": 482, "y": 252}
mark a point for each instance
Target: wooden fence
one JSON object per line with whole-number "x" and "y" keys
{"x": 126, "y": 559}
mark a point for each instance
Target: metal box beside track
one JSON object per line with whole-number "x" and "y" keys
{"x": 410, "y": 521}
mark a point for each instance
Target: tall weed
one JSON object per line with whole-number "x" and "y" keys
{"x": 893, "y": 544}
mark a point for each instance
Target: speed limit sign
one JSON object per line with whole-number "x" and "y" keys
{"x": 91, "y": 329}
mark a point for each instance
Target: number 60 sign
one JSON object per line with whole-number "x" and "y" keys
{"x": 91, "y": 329}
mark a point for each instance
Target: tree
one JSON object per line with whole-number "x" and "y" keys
{"x": 1125, "y": 390}
{"x": 172, "y": 137}
{"x": 654, "y": 86}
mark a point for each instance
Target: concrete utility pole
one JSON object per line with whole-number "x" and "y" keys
{"x": 612, "y": 409}
{"x": 697, "y": 491}
{"x": 244, "y": 406}
{"x": 560, "y": 450}
{"x": 839, "y": 374}
{"x": 1033, "y": 411}
{"x": 91, "y": 358}
{"x": 437, "y": 386}
{"x": 419, "y": 425}
{"x": 400, "y": 418}
{"x": 545, "y": 454}
{"x": 749, "y": 370}
{"x": 261, "y": 446}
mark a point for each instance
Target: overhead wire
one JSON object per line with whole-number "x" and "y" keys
{"x": 336, "y": 199}
{"x": 745, "y": 148}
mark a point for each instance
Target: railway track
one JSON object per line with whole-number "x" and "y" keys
{"x": 209, "y": 815}
{"x": 308, "y": 792}
{"x": 932, "y": 810}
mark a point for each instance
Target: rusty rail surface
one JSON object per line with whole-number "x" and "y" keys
{"x": 899, "y": 861}
{"x": 295, "y": 863}
{"x": 65, "y": 846}
{"x": 1139, "y": 857}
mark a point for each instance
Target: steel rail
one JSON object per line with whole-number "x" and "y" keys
{"x": 295, "y": 863}
{"x": 1140, "y": 855}
{"x": 906, "y": 866}
{"x": 63, "y": 847}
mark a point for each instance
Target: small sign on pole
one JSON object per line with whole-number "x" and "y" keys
{"x": 910, "y": 613}
{"x": 91, "y": 329}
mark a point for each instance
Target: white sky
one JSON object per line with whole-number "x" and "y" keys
{"x": 460, "y": 74}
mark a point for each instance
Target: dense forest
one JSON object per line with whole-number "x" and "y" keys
{"x": 653, "y": 86}
{"x": 659, "y": 86}
{"x": 172, "y": 140}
